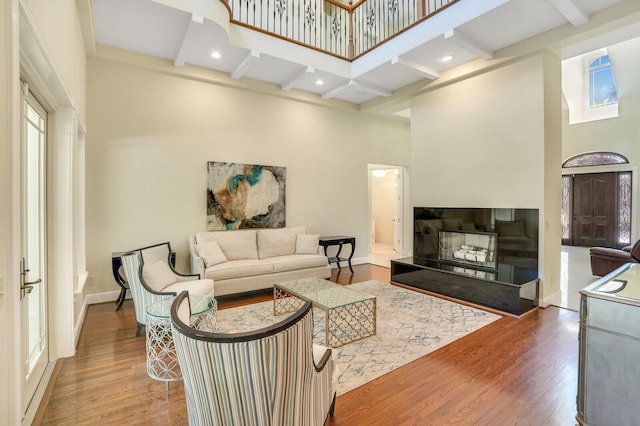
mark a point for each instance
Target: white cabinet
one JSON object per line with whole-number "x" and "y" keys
{"x": 609, "y": 339}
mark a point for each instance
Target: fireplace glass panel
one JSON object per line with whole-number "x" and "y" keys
{"x": 476, "y": 249}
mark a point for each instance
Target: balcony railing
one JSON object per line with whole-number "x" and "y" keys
{"x": 343, "y": 30}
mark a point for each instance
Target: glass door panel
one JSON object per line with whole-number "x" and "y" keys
{"x": 33, "y": 271}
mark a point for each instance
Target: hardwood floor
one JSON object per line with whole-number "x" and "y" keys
{"x": 514, "y": 371}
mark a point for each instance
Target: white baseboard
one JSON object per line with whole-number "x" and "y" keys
{"x": 108, "y": 296}
{"x": 80, "y": 322}
{"x": 552, "y": 299}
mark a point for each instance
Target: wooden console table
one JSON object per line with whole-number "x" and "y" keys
{"x": 338, "y": 240}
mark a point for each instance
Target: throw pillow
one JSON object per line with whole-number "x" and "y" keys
{"x": 211, "y": 253}
{"x": 158, "y": 275}
{"x": 307, "y": 243}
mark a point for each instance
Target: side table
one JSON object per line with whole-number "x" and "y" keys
{"x": 338, "y": 240}
{"x": 119, "y": 277}
{"x": 162, "y": 362}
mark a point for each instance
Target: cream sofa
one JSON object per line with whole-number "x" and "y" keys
{"x": 251, "y": 259}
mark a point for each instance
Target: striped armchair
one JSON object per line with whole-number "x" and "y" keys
{"x": 151, "y": 278}
{"x": 271, "y": 376}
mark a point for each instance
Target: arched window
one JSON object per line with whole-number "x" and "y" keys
{"x": 601, "y": 158}
{"x": 602, "y": 87}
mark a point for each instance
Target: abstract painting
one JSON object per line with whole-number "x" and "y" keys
{"x": 245, "y": 196}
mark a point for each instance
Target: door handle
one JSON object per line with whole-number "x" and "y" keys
{"x": 26, "y": 286}
{"x": 39, "y": 280}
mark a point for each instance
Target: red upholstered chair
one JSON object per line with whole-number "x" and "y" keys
{"x": 604, "y": 259}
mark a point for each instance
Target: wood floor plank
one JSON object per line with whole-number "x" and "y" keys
{"x": 514, "y": 371}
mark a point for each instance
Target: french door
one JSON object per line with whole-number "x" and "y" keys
{"x": 34, "y": 353}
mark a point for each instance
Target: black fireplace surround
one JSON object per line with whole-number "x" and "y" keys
{"x": 487, "y": 256}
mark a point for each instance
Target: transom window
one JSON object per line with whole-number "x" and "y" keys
{"x": 595, "y": 159}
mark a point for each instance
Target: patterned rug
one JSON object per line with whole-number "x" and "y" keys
{"x": 410, "y": 325}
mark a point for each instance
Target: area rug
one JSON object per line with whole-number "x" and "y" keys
{"x": 410, "y": 325}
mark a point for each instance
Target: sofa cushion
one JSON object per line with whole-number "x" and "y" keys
{"x": 158, "y": 275}
{"x": 429, "y": 226}
{"x": 451, "y": 224}
{"x": 307, "y": 243}
{"x": 202, "y": 287}
{"x": 239, "y": 269}
{"x": 237, "y": 244}
{"x": 211, "y": 253}
{"x": 278, "y": 242}
{"x": 510, "y": 228}
{"x": 468, "y": 226}
{"x": 296, "y": 262}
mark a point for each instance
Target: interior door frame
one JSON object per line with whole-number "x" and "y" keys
{"x": 615, "y": 168}
{"x": 400, "y": 193}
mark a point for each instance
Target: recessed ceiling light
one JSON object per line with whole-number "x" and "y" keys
{"x": 446, "y": 58}
{"x": 216, "y": 55}
{"x": 319, "y": 82}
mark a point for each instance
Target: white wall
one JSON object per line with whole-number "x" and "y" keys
{"x": 485, "y": 141}
{"x": 150, "y": 135}
{"x": 621, "y": 135}
{"x": 58, "y": 23}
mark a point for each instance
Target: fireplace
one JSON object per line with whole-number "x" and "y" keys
{"x": 487, "y": 256}
{"x": 516, "y": 231}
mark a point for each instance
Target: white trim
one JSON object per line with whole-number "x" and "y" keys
{"x": 31, "y": 412}
{"x": 554, "y": 299}
{"x": 107, "y": 296}
{"x": 80, "y": 321}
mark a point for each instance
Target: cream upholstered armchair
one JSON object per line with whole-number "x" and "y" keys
{"x": 151, "y": 278}
{"x": 270, "y": 376}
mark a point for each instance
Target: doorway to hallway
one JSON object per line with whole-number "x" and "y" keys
{"x": 385, "y": 213}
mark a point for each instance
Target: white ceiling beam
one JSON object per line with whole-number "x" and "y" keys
{"x": 296, "y": 78}
{"x": 571, "y": 11}
{"x": 465, "y": 42}
{"x": 357, "y": 85}
{"x": 379, "y": 91}
{"x": 245, "y": 64}
{"x": 426, "y": 71}
{"x": 187, "y": 38}
{"x": 333, "y": 92}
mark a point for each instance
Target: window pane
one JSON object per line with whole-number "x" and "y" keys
{"x": 602, "y": 88}
{"x": 565, "y": 213}
{"x": 595, "y": 159}
{"x": 624, "y": 209}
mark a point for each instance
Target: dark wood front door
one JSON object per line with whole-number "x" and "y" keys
{"x": 595, "y": 209}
